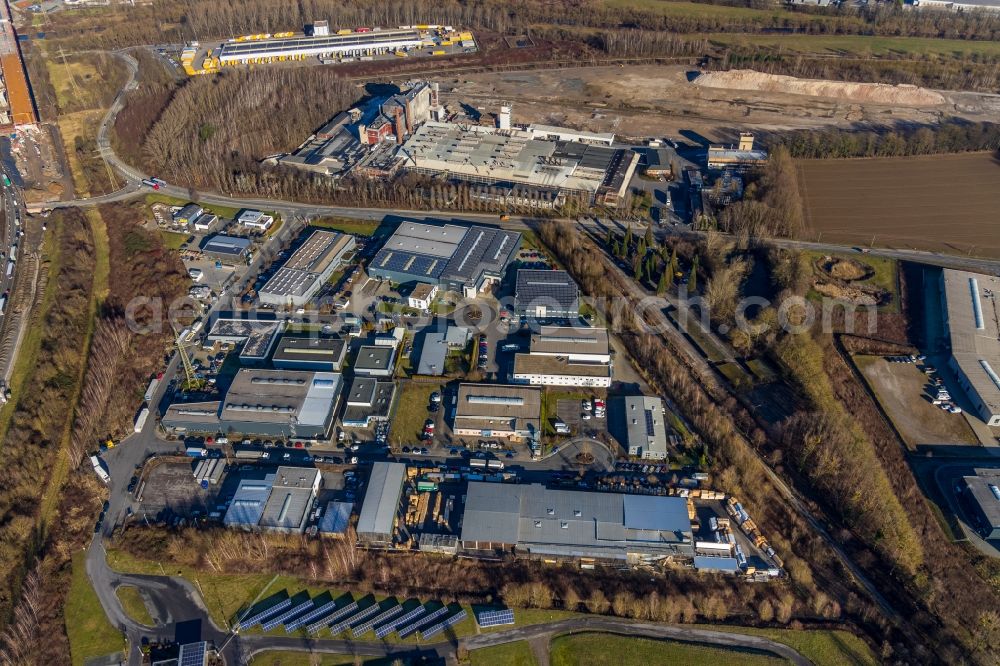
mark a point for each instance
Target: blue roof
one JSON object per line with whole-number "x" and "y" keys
{"x": 651, "y": 512}
{"x": 336, "y": 518}
{"x": 708, "y": 563}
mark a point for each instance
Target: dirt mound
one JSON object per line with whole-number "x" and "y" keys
{"x": 875, "y": 93}
{"x": 852, "y": 294}
{"x": 846, "y": 269}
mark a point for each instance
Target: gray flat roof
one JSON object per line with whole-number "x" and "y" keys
{"x": 228, "y": 245}
{"x": 374, "y": 357}
{"x": 573, "y": 522}
{"x": 645, "y": 423}
{"x": 263, "y": 48}
{"x": 506, "y": 405}
{"x": 981, "y": 487}
{"x": 433, "y": 352}
{"x": 378, "y": 511}
{"x": 576, "y": 340}
{"x": 530, "y": 364}
{"x": 248, "y": 502}
{"x": 378, "y": 393}
{"x": 316, "y": 350}
{"x": 276, "y": 396}
{"x": 974, "y": 328}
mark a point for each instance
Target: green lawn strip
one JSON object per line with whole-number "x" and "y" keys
{"x": 347, "y": 226}
{"x": 292, "y": 658}
{"x": 820, "y": 646}
{"x": 411, "y": 412}
{"x": 700, "y": 10}
{"x": 90, "y": 634}
{"x": 173, "y": 240}
{"x": 516, "y": 653}
{"x": 862, "y": 45}
{"x": 595, "y": 649}
{"x": 134, "y": 605}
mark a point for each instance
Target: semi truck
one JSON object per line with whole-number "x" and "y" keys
{"x": 151, "y": 390}
{"x": 140, "y": 420}
{"x": 477, "y": 463}
{"x": 196, "y": 452}
{"x": 495, "y": 464}
{"x": 248, "y": 454}
{"x": 99, "y": 469}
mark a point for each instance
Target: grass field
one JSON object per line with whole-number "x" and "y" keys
{"x": 822, "y": 648}
{"x": 411, "y": 412}
{"x": 938, "y": 203}
{"x": 610, "y": 650}
{"x": 884, "y": 276}
{"x": 517, "y": 653}
{"x": 861, "y": 45}
{"x": 290, "y": 658}
{"x": 704, "y": 11}
{"x": 90, "y": 634}
{"x": 173, "y": 241}
{"x": 72, "y": 125}
{"x": 133, "y": 604}
{"x": 347, "y": 226}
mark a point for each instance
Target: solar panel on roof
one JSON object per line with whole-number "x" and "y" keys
{"x": 495, "y": 618}
{"x": 192, "y": 654}
{"x": 649, "y": 422}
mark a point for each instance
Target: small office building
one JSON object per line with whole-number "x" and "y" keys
{"x": 368, "y": 399}
{"x": 539, "y": 370}
{"x": 433, "y": 353}
{"x": 982, "y": 489}
{"x": 226, "y": 247}
{"x": 375, "y": 361}
{"x": 645, "y": 426}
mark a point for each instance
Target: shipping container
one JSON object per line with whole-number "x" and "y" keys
{"x": 426, "y": 486}
{"x": 151, "y": 390}
{"x": 248, "y": 454}
{"x": 477, "y": 463}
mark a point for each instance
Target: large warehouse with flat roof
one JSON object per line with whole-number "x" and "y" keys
{"x": 542, "y": 294}
{"x": 280, "y": 502}
{"x": 983, "y": 491}
{"x": 272, "y": 403}
{"x": 381, "y": 503}
{"x": 365, "y": 43}
{"x": 458, "y": 258}
{"x": 972, "y": 325}
{"x": 536, "y": 520}
{"x": 309, "y": 266}
{"x": 496, "y": 410}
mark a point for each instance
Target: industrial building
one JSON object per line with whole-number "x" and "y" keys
{"x": 737, "y": 158}
{"x": 983, "y": 492}
{"x": 228, "y": 247}
{"x": 381, "y": 504}
{"x": 272, "y": 403}
{"x": 559, "y": 371}
{"x": 281, "y": 502}
{"x": 645, "y": 427}
{"x": 496, "y": 410}
{"x": 307, "y": 269}
{"x": 15, "y": 79}
{"x": 433, "y": 353}
{"x": 546, "y": 295}
{"x": 321, "y": 354}
{"x": 368, "y": 400}
{"x": 582, "y": 344}
{"x": 971, "y": 326}
{"x": 479, "y": 154}
{"x": 324, "y": 46}
{"x": 375, "y": 361}
{"x": 456, "y": 258}
{"x": 536, "y": 521}
{"x": 187, "y": 214}
{"x": 258, "y": 336}
{"x": 336, "y": 518}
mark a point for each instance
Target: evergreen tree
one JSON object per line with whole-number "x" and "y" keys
{"x": 661, "y": 287}
{"x": 672, "y": 266}
{"x": 650, "y": 241}
{"x": 636, "y": 267}
{"x": 628, "y": 237}
{"x": 642, "y": 247}
{"x": 610, "y": 238}
{"x": 693, "y": 280}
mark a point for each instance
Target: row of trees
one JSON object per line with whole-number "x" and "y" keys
{"x": 949, "y": 136}
{"x": 176, "y": 20}
{"x": 772, "y": 202}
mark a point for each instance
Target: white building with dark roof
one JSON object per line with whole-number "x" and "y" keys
{"x": 546, "y": 295}
{"x": 972, "y": 325}
{"x": 307, "y": 269}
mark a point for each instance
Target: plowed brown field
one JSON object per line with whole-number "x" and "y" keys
{"x": 948, "y": 203}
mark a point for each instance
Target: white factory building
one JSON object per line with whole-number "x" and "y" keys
{"x": 971, "y": 324}
{"x": 565, "y": 356}
{"x": 354, "y": 44}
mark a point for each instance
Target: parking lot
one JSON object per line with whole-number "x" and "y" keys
{"x": 169, "y": 488}
{"x": 907, "y": 395}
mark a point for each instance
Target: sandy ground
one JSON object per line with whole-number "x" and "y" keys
{"x": 653, "y": 100}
